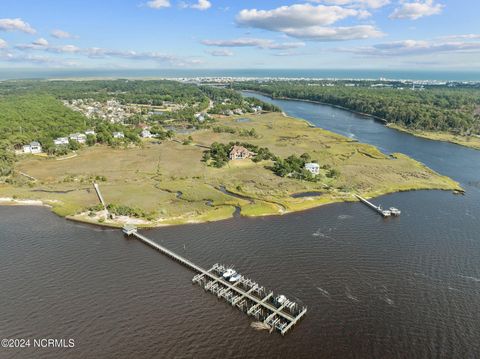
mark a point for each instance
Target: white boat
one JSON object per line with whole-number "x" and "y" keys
{"x": 235, "y": 277}
{"x": 281, "y": 298}
{"x": 395, "y": 211}
{"x": 228, "y": 273}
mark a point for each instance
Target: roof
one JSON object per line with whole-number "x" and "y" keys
{"x": 239, "y": 149}
{"x": 34, "y": 143}
{"x": 312, "y": 164}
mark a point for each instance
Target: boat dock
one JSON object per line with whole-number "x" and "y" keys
{"x": 392, "y": 211}
{"x": 276, "y": 312}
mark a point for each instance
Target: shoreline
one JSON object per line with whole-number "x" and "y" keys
{"x": 432, "y": 136}
{"x": 305, "y": 206}
{"x": 429, "y": 135}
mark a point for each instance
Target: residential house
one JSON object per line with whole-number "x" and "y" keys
{"x": 146, "y": 134}
{"x": 78, "y": 137}
{"x": 32, "y": 147}
{"x": 240, "y": 153}
{"x": 118, "y": 135}
{"x": 60, "y": 141}
{"x": 313, "y": 168}
{"x": 90, "y": 132}
{"x": 200, "y": 117}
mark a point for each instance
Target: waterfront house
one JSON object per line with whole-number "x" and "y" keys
{"x": 32, "y": 147}
{"x": 240, "y": 153}
{"x": 60, "y": 141}
{"x": 118, "y": 135}
{"x": 313, "y": 168}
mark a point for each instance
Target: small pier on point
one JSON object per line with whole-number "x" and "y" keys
{"x": 392, "y": 211}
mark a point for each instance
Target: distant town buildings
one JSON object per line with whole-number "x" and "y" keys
{"x": 313, "y": 168}
{"x": 240, "y": 153}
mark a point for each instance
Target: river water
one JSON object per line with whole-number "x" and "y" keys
{"x": 406, "y": 287}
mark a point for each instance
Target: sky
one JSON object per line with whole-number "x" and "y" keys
{"x": 240, "y": 34}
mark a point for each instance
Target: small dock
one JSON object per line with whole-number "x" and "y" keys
{"x": 392, "y": 211}
{"x": 276, "y": 312}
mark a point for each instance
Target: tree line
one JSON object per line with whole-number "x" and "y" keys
{"x": 432, "y": 108}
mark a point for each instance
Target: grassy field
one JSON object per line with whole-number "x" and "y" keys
{"x": 467, "y": 141}
{"x": 172, "y": 185}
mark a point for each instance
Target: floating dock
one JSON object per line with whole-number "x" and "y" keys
{"x": 275, "y": 311}
{"x": 392, "y": 211}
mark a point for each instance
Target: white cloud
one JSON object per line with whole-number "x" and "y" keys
{"x": 254, "y": 42}
{"x": 372, "y": 4}
{"x": 416, "y": 47}
{"x": 461, "y": 37}
{"x": 158, "y": 4}
{"x": 96, "y": 52}
{"x": 221, "y": 53}
{"x": 202, "y": 5}
{"x": 320, "y": 33}
{"x": 32, "y": 59}
{"x": 310, "y": 22}
{"x": 60, "y": 34}
{"x": 70, "y": 49}
{"x": 16, "y": 25}
{"x": 295, "y": 16}
{"x": 417, "y": 9}
{"x": 3, "y": 44}
{"x": 41, "y": 42}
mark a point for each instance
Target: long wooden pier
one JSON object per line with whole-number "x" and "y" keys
{"x": 384, "y": 212}
{"x": 276, "y": 312}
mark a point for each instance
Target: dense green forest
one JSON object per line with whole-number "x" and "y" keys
{"x": 431, "y": 108}
{"x": 125, "y": 91}
{"x": 30, "y": 117}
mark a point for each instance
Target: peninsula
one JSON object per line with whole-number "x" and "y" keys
{"x": 231, "y": 154}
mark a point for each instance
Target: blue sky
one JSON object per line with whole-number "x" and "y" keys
{"x": 323, "y": 34}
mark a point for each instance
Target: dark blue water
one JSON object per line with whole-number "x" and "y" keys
{"x": 285, "y": 73}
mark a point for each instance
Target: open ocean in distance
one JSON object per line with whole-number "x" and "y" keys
{"x": 292, "y": 73}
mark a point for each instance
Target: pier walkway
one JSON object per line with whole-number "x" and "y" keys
{"x": 99, "y": 194}
{"x": 384, "y": 212}
{"x": 281, "y": 314}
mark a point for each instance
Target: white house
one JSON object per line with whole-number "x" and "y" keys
{"x": 313, "y": 168}
{"x": 118, "y": 135}
{"x": 146, "y": 134}
{"x": 200, "y": 117}
{"x": 79, "y": 137}
{"x": 32, "y": 147}
{"x": 60, "y": 141}
{"x": 90, "y": 132}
